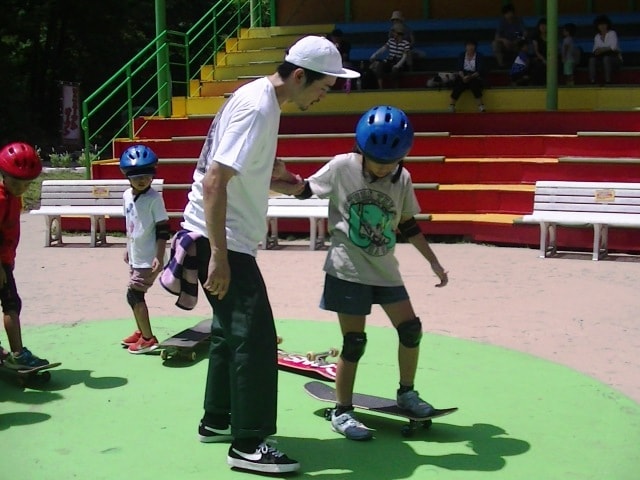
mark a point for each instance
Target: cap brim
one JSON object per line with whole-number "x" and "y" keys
{"x": 343, "y": 73}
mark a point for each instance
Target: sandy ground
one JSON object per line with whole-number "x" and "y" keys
{"x": 569, "y": 310}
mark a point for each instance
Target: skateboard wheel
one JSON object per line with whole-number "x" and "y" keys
{"x": 45, "y": 377}
{"x": 333, "y": 352}
{"x": 193, "y": 356}
{"x": 406, "y": 431}
{"x": 279, "y": 340}
{"x": 164, "y": 355}
{"x": 427, "y": 424}
{"x": 311, "y": 356}
{"x": 327, "y": 413}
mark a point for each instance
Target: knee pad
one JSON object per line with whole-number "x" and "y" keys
{"x": 134, "y": 297}
{"x": 353, "y": 345}
{"x": 410, "y": 333}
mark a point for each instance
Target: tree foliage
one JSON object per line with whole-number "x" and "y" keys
{"x": 43, "y": 42}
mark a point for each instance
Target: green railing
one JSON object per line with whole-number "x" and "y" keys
{"x": 164, "y": 68}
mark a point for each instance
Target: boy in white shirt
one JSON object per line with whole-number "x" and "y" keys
{"x": 147, "y": 234}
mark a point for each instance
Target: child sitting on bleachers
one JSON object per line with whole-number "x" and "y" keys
{"x": 519, "y": 72}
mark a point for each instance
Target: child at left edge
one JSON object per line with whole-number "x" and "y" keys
{"x": 147, "y": 225}
{"x": 19, "y": 166}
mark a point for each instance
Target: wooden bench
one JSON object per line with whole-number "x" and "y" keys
{"x": 96, "y": 199}
{"x": 314, "y": 208}
{"x": 601, "y": 204}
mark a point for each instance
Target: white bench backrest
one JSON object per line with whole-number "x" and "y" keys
{"x": 286, "y": 201}
{"x": 600, "y": 197}
{"x": 87, "y": 192}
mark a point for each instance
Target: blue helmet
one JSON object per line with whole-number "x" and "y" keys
{"x": 138, "y": 160}
{"x": 384, "y": 134}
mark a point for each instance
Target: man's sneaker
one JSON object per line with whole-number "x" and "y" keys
{"x": 347, "y": 425}
{"x": 265, "y": 459}
{"x": 24, "y": 360}
{"x": 131, "y": 339}
{"x": 207, "y": 434}
{"x": 143, "y": 345}
{"x": 412, "y": 402}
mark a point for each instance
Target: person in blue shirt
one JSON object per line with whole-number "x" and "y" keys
{"x": 510, "y": 30}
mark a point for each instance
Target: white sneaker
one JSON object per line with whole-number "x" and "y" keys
{"x": 346, "y": 424}
{"x": 412, "y": 402}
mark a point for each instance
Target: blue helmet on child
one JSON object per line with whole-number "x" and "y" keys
{"x": 384, "y": 134}
{"x": 138, "y": 160}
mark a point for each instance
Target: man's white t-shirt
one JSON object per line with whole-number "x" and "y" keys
{"x": 243, "y": 136}
{"x": 141, "y": 216}
{"x": 363, "y": 218}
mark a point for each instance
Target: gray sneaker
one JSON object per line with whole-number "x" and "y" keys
{"x": 412, "y": 402}
{"x": 347, "y": 425}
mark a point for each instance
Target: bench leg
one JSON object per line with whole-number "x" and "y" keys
{"x": 547, "y": 232}
{"x": 271, "y": 237}
{"x": 98, "y": 230}
{"x": 321, "y": 233}
{"x": 600, "y": 241}
{"x": 53, "y": 230}
{"x": 312, "y": 234}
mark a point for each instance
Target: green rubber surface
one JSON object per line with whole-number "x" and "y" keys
{"x": 107, "y": 414}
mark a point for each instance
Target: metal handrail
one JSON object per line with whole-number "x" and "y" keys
{"x": 145, "y": 87}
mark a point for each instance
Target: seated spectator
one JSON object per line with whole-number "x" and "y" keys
{"x": 520, "y": 68}
{"x": 539, "y": 61}
{"x": 344, "y": 47}
{"x": 569, "y": 54}
{"x": 510, "y": 30}
{"x": 606, "y": 50}
{"x": 471, "y": 70}
{"x": 397, "y": 49}
{"x": 398, "y": 19}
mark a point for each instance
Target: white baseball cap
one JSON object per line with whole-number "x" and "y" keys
{"x": 320, "y": 55}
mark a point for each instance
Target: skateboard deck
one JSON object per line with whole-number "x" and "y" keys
{"x": 325, "y": 393}
{"x": 183, "y": 344}
{"x": 314, "y": 365}
{"x": 27, "y": 375}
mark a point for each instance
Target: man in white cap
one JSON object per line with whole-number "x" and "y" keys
{"x": 225, "y": 218}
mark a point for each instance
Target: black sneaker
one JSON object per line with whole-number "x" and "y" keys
{"x": 207, "y": 434}
{"x": 265, "y": 459}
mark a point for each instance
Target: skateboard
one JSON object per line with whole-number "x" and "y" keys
{"x": 325, "y": 393}
{"x": 183, "y": 344}
{"x": 25, "y": 376}
{"x": 314, "y": 365}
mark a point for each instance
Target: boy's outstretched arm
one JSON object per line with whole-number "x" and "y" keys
{"x": 411, "y": 230}
{"x": 283, "y": 181}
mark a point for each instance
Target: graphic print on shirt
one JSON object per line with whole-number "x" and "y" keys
{"x": 202, "y": 165}
{"x": 371, "y": 215}
{"x": 132, "y": 221}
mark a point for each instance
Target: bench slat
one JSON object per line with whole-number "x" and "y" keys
{"x": 579, "y": 207}
{"x": 588, "y": 191}
{"x": 89, "y": 202}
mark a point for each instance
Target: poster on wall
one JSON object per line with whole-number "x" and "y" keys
{"x": 70, "y": 113}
